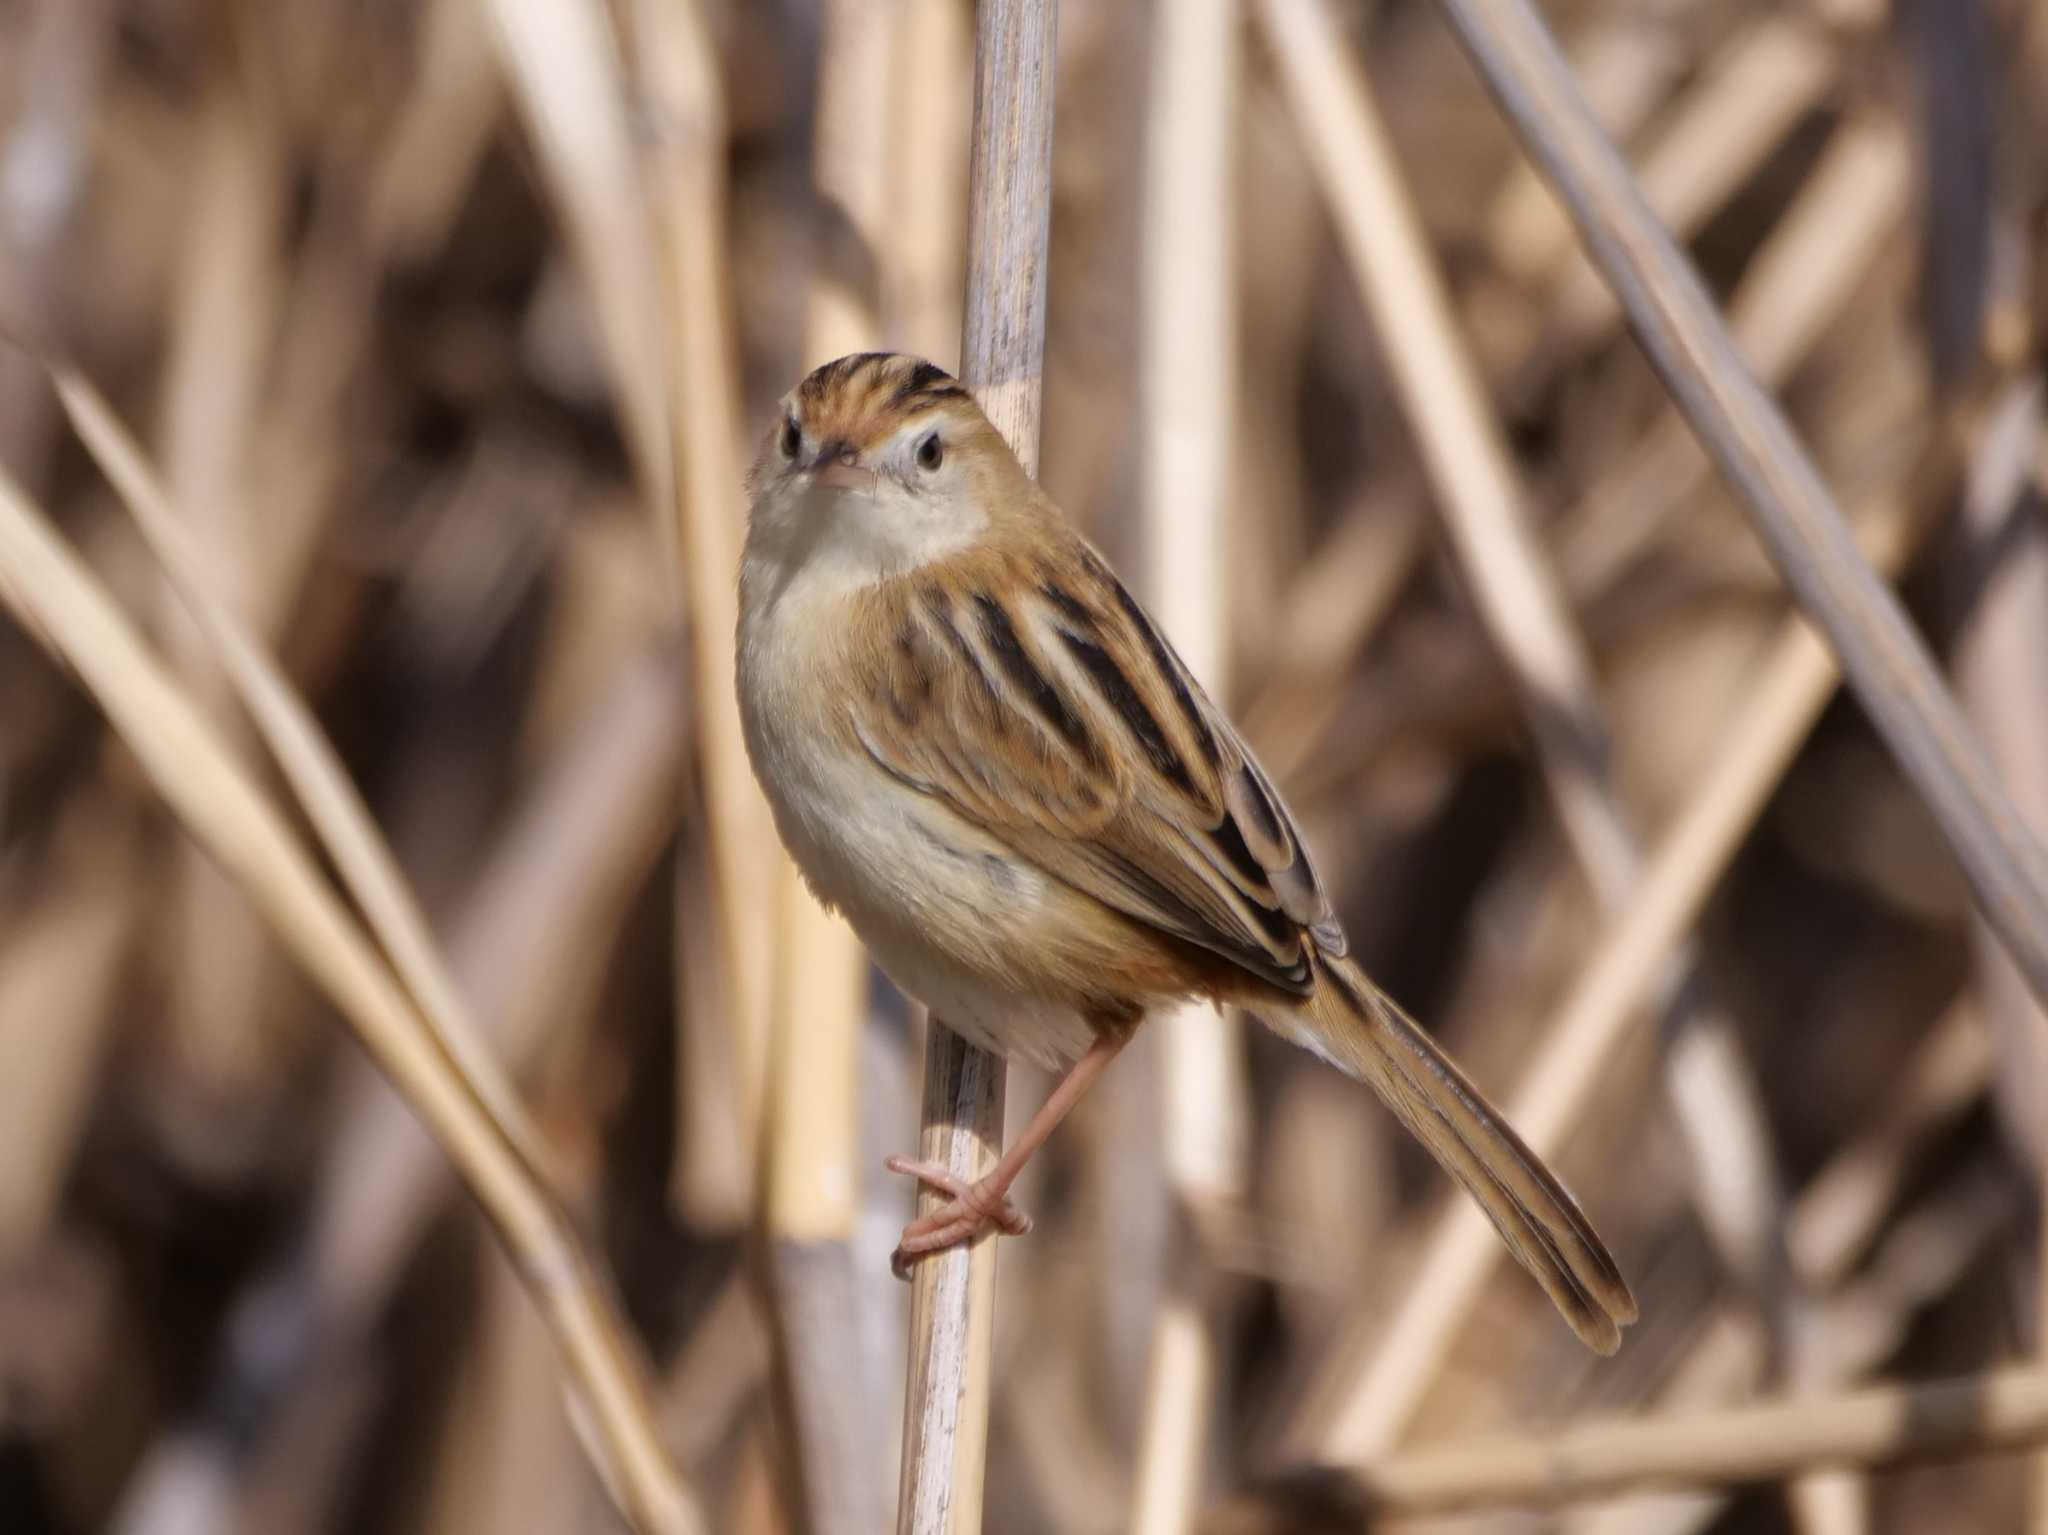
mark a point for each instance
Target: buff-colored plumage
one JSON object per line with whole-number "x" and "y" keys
{"x": 980, "y": 749}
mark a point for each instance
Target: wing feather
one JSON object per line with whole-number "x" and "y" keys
{"x": 1037, "y": 699}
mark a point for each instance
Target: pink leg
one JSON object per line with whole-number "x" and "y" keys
{"x": 975, "y": 1210}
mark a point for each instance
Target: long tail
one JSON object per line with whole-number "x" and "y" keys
{"x": 1361, "y": 1030}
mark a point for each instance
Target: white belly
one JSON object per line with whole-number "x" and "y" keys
{"x": 936, "y": 901}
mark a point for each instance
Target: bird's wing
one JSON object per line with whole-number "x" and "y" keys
{"x": 1032, "y": 695}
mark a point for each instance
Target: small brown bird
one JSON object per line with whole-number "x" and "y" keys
{"x": 981, "y": 750}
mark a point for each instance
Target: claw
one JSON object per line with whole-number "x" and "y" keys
{"x": 971, "y": 1212}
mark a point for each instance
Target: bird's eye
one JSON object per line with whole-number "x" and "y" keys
{"x": 930, "y": 452}
{"x": 792, "y": 437}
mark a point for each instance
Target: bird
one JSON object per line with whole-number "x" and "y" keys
{"x": 980, "y": 749}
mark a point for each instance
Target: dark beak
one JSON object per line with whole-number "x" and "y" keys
{"x": 838, "y": 465}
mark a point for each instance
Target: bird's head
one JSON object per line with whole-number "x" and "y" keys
{"x": 879, "y": 463}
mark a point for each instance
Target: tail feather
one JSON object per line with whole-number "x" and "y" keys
{"x": 1361, "y": 1030}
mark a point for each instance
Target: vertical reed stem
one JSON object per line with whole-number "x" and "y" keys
{"x": 1187, "y": 376}
{"x": 1883, "y": 658}
{"x": 1009, "y": 207}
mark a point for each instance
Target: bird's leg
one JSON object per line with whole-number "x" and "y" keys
{"x": 975, "y": 1210}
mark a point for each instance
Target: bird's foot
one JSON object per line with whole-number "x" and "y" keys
{"x": 971, "y": 1212}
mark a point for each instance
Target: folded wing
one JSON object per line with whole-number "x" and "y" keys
{"x": 1037, "y": 699}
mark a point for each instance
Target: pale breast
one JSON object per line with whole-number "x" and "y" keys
{"x": 951, "y": 914}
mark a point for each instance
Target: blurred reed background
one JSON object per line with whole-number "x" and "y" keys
{"x": 447, "y": 327}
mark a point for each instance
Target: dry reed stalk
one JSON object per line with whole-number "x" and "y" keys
{"x": 1831, "y": 1225}
{"x": 1881, "y": 1426}
{"x": 562, "y": 61}
{"x": 952, "y": 1306}
{"x": 927, "y": 189}
{"x": 648, "y": 232}
{"x": 1858, "y": 1327}
{"x": 322, "y": 785}
{"x": 853, "y": 171}
{"x": 609, "y": 606}
{"x": 1831, "y": 1501}
{"x": 1929, "y": 1250}
{"x": 1180, "y": 1387}
{"x": 224, "y": 314}
{"x": 1725, "y": 1364}
{"x": 1187, "y": 382}
{"x": 401, "y": 213}
{"x": 1724, "y": 1369}
{"x": 1841, "y": 1211}
{"x": 223, "y": 810}
{"x": 1958, "y": 93}
{"x": 1832, "y": 1222}
{"x": 1851, "y": 17}
{"x": 44, "y": 172}
{"x": 520, "y": 618}
{"x": 441, "y": 133}
{"x": 576, "y": 846}
{"x": 1328, "y": 615}
{"x": 1814, "y": 258}
{"x": 686, "y": 177}
{"x": 1009, "y": 213}
{"x": 1792, "y": 292}
{"x": 59, "y": 965}
{"x": 1626, "y": 63}
{"x": 223, "y": 322}
{"x": 507, "y": 1461}
{"x": 717, "y": 1373}
{"x": 305, "y": 438}
{"x": 1749, "y": 96}
{"x": 1790, "y": 506}
{"x": 810, "y": 1196}
{"x": 1460, "y": 444}
{"x": 831, "y": 1439}
{"x": 569, "y": 860}
{"x": 1519, "y": 602}
{"x": 1998, "y": 661}
{"x": 308, "y": 437}
{"x": 1372, "y": 1402}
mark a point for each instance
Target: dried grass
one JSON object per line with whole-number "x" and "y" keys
{"x": 448, "y": 327}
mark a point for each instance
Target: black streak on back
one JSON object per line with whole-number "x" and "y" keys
{"x": 1163, "y": 658}
{"x": 1124, "y": 702}
{"x": 1045, "y": 698}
